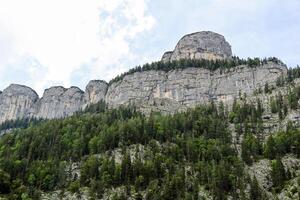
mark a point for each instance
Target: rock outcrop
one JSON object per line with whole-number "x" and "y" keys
{"x": 179, "y": 89}
{"x": 58, "y": 102}
{"x": 200, "y": 45}
{"x": 95, "y": 91}
{"x": 153, "y": 90}
{"x": 17, "y": 101}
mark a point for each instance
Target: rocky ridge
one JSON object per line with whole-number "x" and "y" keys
{"x": 153, "y": 90}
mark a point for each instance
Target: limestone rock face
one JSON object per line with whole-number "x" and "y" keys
{"x": 95, "y": 91}
{"x": 179, "y": 89}
{"x": 168, "y": 92}
{"x": 59, "y": 102}
{"x": 200, "y": 45}
{"x": 17, "y": 101}
{"x": 167, "y": 56}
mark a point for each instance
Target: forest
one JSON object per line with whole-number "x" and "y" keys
{"x": 163, "y": 156}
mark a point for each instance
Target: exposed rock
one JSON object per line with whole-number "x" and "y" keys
{"x": 168, "y": 92}
{"x": 200, "y": 45}
{"x": 262, "y": 171}
{"x": 167, "y": 56}
{"x": 178, "y": 89}
{"x": 17, "y": 101}
{"x": 82, "y": 194}
{"x": 95, "y": 91}
{"x": 59, "y": 102}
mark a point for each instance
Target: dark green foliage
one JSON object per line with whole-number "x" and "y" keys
{"x": 283, "y": 143}
{"x": 255, "y": 190}
{"x": 19, "y": 123}
{"x": 279, "y": 105}
{"x": 278, "y": 174}
{"x": 293, "y": 73}
{"x": 37, "y": 156}
{"x": 270, "y": 148}
{"x": 4, "y": 182}
{"x": 246, "y": 117}
{"x": 96, "y": 108}
{"x": 180, "y": 152}
{"x": 251, "y": 149}
{"x": 293, "y": 97}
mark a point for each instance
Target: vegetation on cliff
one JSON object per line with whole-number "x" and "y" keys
{"x": 181, "y": 153}
{"x": 198, "y": 63}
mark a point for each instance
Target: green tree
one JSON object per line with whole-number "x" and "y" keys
{"x": 278, "y": 174}
{"x": 4, "y": 182}
{"x": 255, "y": 191}
{"x": 270, "y": 150}
{"x": 251, "y": 148}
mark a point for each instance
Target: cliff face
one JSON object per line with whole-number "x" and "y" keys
{"x": 168, "y": 92}
{"x": 180, "y": 89}
{"x": 200, "y": 45}
{"x": 19, "y": 101}
{"x": 59, "y": 102}
{"x": 95, "y": 91}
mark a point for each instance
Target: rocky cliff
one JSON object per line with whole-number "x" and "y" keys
{"x": 200, "y": 45}
{"x": 18, "y": 101}
{"x": 153, "y": 90}
{"x": 179, "y": 89}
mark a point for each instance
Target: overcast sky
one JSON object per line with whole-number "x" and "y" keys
{"x": 68, "y": 42}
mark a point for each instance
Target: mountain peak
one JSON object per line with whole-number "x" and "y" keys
{"x": 200, "y": 45}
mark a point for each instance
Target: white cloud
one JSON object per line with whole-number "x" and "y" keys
{"x": 62, "y": 36}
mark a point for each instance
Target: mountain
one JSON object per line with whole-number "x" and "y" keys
{"x": 168, "y": 86}
{"x": 198, "y": 124}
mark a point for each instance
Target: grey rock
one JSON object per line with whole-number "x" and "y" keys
{"x": 17, "y": 101}
{"x": 167, "y": 56}
{"x": 95, "y": 91}
{"x": 200, "y": 45}
{"x": 177, "y": 90}
{"x": 58, "y": 102}
{"x": 168, "y": 92}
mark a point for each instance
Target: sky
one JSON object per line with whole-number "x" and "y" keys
{"x": 69, "y": 42}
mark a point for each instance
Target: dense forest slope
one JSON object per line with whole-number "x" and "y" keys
{"x": 121, "y": 154}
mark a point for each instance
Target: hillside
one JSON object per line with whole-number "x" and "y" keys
{"x": 183, "y": 156}
{"x": 199, "y": 124}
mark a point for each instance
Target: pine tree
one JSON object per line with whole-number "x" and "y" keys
{"x": 270, "y": 148}
{"x": 255, "y": 191}
{"x": 278, "y": 174}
